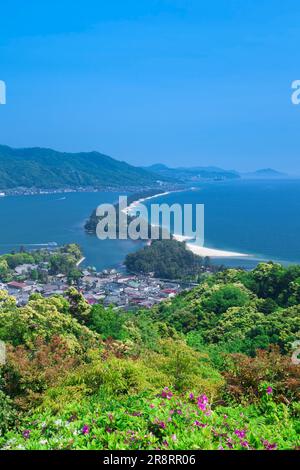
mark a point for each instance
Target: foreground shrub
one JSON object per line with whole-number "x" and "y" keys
{"x": 29, "y": 371}
{"x": 117, "y": 376}
{"x": 166, "y": 420}
{"x": 186, "y": 368}
{"x": 8, "y": 414}
{"x": 245, "y": 376}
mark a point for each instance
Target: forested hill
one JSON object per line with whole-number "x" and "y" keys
{"x": 168, "y": 259}
{"x": 50, "y": 169}
{"x": 214, "y": 368}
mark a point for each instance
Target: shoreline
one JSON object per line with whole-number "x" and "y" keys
{"x": 143, "y": 199}
{"x": 196, "y": 249}
{"x": 201, "y": 251}
{"x": 210, "y": 252}
{"x": 42, "y": 192}
{"x": 80, "y": 261}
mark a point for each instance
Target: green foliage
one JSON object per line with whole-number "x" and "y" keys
{"x": 271, "y": 281}
{"x": 62, "y": 260}
{"x": 30, "y": 370}
{"x": 167, "y": 259}
{"x": 16, "y": 259}
{"x": 107, "y": 322}
{"x": 247, "y": 378}
{"x": 194, "y": 372}
{"x": 226, "y": 310}
{"x": 49, "y": 169}
{"x": 8, "y": 414}
{"x": 220, "y": 300}
{"x": 4, "y": 268}
{"x": 43, "y": 318}
{"x": 146, "y": 421}
{"x": 117, "y": 376}
{"x": 79, "y": 308}
{"x": 186, "y": 368}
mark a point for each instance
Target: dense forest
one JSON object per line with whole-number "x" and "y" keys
{"x": 49, "y": 169}
{"x": 210, "y": 369}
{"x": 167, "y": 259}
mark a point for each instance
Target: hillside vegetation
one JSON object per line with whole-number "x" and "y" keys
{"x": 167, "y": 259}
{"x": 46, "y": 168}
{"x": 210, "y": 369}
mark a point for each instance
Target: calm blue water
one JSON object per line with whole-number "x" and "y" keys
{"x": 33, "y": 220}
{"x": 261, "y": 218}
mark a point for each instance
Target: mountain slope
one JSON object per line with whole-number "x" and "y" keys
{"x": 46, "y": 168}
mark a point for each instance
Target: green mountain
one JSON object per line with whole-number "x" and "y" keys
{"x": 50, "y": 169}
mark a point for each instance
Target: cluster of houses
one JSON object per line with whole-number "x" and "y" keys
{"x": 124, "y": 290}
{"x": 110, "y": 287}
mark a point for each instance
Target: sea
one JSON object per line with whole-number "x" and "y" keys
{"x": 260, "y": 218}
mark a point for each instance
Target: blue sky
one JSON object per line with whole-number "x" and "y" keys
{"x": 183, "y": 82}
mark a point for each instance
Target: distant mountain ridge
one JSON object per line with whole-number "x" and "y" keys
{"x": 192, "y": 174}
{"x": 267, "y": 173}
{"x": 47, "y": 168}
{"x": 199, "y": 173}
{"x": 42, "y": 168}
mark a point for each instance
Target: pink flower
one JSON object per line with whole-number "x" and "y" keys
{"x": 152, "y": 406}
{"x": 174, "y": 437}
{"x": 203, "y": 398}
{"x": 241, "y": 433}
{"x": 229, "y": 443}
{"x": 85, "y": 429}
{"x": 269, "y": 390}
{"x": 166, "y": 393}
{"x": 268, "y": 446}
{"x": 202, "y": 402}
{"x": 245, "y": 444}
{"x": 191, "y": 396}
{"x": 26, "y": 434}
{"x": 201, "y": 406}
{"x": 199, "y": 425}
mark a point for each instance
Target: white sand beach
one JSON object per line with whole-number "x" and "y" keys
{"x": 135, "y": 204}
{"x": 196, "y": 249}
{"x": 211, "y": 252}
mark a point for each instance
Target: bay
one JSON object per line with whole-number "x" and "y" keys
{"x": 256, "y": 217}
{"x": 259, "y": 218}
{"x": 34, "y": 221}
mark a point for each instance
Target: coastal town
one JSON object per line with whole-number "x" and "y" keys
{"x": 109, "y": 287}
